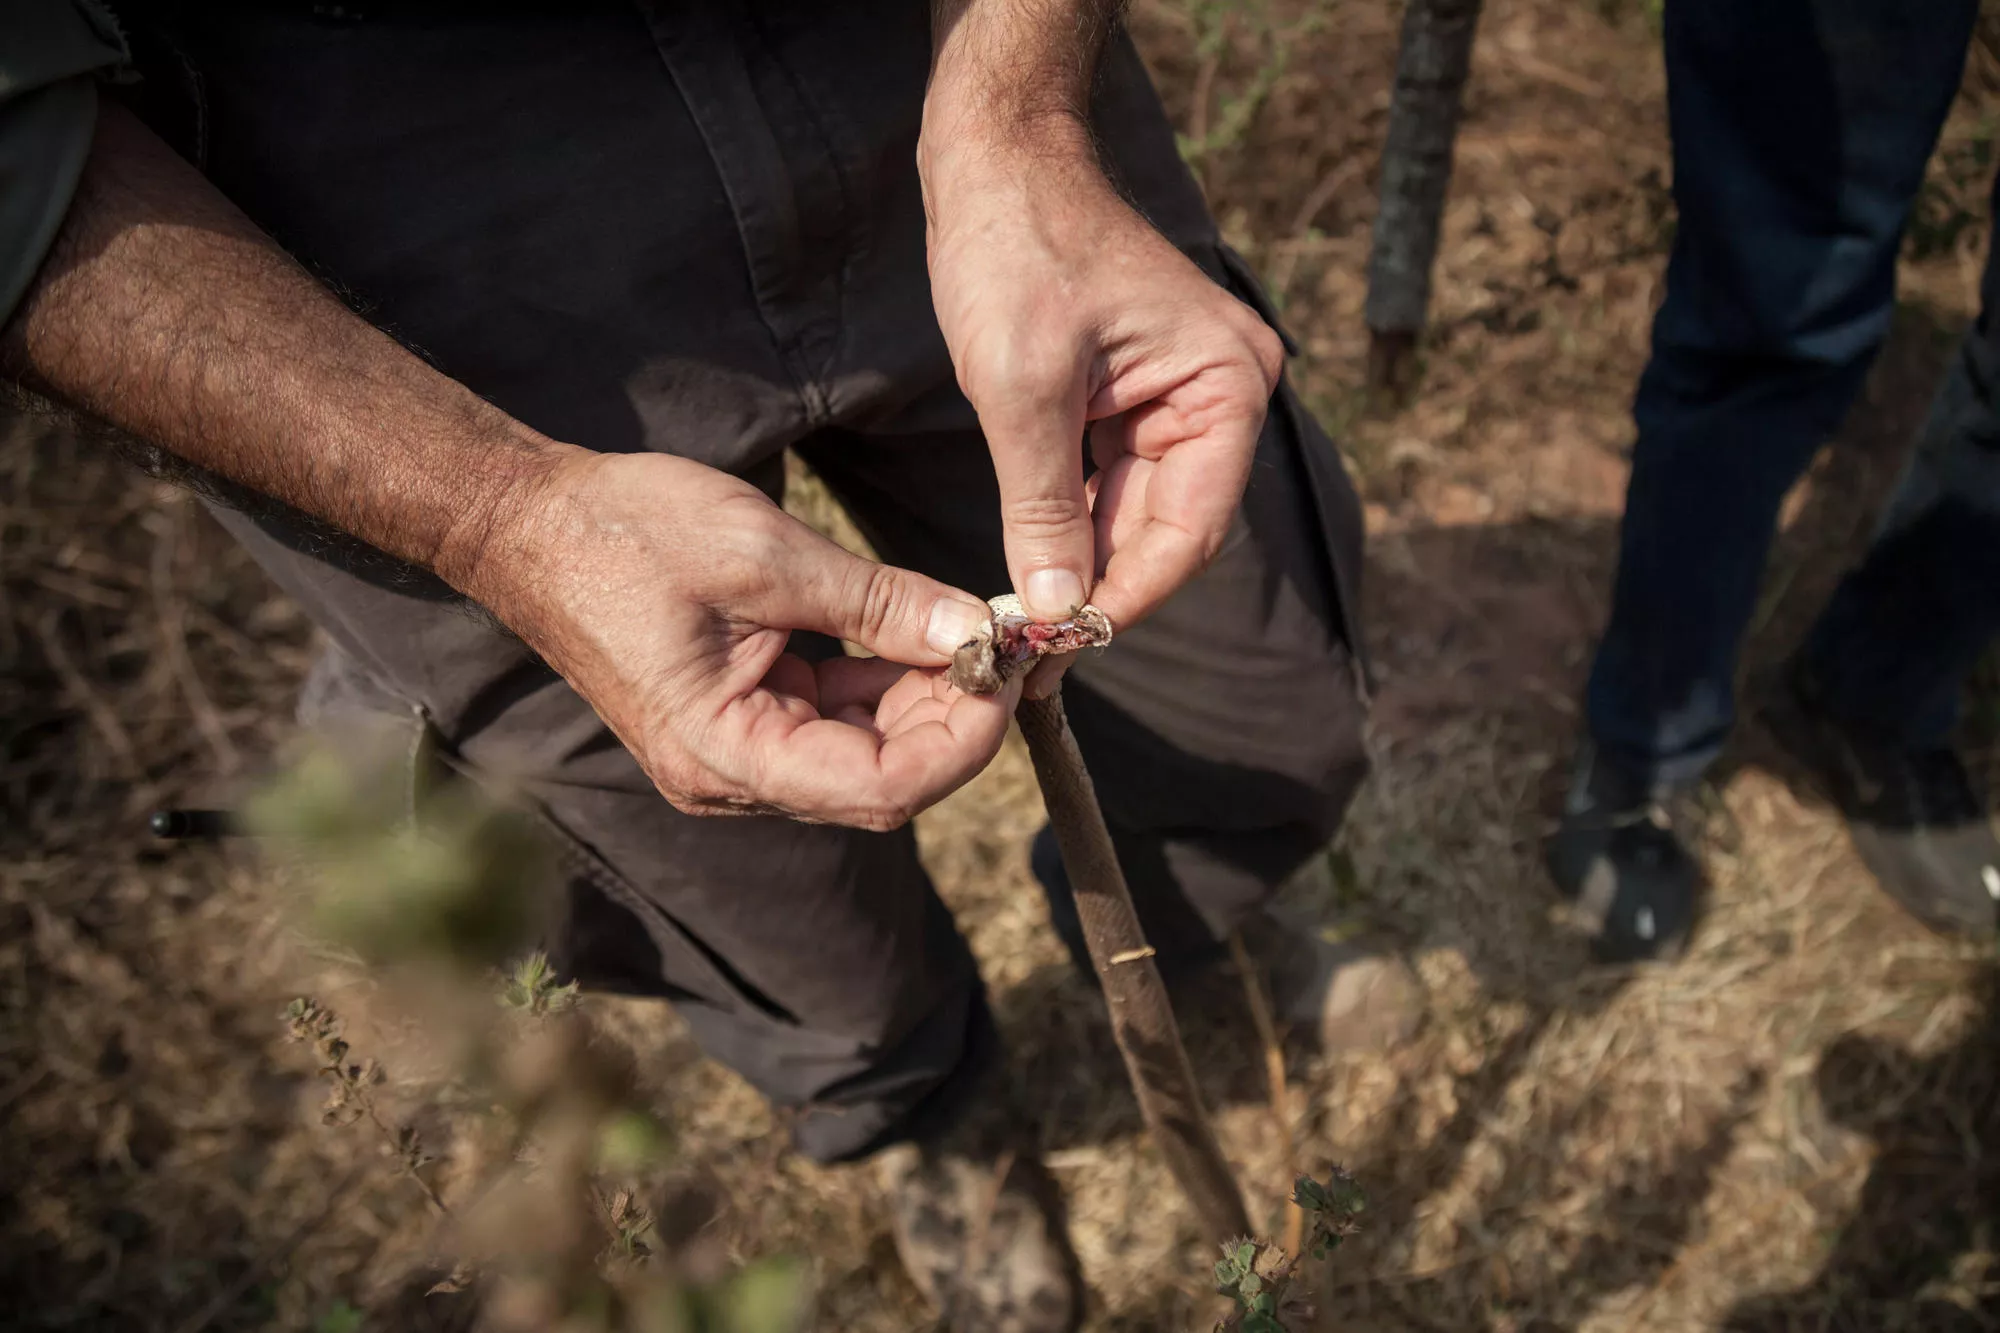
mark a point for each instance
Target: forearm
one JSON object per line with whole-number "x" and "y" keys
{"x": 1009, "y": 74}
{"x": 166, "y": 312}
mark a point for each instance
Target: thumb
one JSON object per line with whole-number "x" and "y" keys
{"x": 894, "y": 613}
{"x": 1044, "y": 512}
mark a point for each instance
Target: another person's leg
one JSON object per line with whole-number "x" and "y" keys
{"x": 1800, "y": 132}
{"x": 1874, "y": 694}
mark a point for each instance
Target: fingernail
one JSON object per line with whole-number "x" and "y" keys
{"x": 1052, "y": 593}
{"x": 952, "y": 623}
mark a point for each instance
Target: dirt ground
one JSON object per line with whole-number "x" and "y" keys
{"x": 1797, "y": 1127}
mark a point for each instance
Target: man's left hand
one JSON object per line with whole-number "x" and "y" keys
{"x": 1063, "y": 309}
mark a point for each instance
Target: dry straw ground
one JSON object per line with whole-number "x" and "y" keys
{"x": 1798, "y": 1127}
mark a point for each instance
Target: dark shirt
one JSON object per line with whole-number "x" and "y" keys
{"x": 52, "y": 52}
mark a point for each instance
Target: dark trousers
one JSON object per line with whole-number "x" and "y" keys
{"x": 1800, "y": 130}
{"x": 697, "y": 228}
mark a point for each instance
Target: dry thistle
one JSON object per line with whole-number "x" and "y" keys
{"x": 351, "y": 1097}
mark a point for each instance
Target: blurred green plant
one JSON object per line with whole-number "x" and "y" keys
{"x": 340, "y": 1317}
{"x": 460, "y": 887}
{"x": 445, "y": 894}
{"x": 1264, "y": 1282}
{"x": 533, "y": 989}
{"x": 1218, "y": 122}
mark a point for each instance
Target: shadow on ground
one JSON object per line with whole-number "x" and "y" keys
{"x": 1909, "y": 1258}
{"x": 1490, "y": 623}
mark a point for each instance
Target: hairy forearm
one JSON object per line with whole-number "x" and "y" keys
{"x": 1012, "y": 74}
{"x": 167, "y": 313}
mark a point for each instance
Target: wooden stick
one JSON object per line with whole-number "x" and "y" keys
{"x": 1142, "y": 1020}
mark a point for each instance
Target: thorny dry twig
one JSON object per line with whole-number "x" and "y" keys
{"x": 1274, "y": 1076}
{"x": 352, "y": 1095}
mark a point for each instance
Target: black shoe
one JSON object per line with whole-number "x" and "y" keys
{"x": 1616, "y": 856}
{"x": 1918, "y": 821}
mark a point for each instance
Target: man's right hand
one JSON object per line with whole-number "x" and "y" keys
{"x": 665, "y": 591}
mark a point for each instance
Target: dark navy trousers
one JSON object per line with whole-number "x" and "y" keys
{"x": 1800, "y": 133}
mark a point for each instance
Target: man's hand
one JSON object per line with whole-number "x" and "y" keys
{"x": 1064, "y": 309}
{"x": 664, "y": 591}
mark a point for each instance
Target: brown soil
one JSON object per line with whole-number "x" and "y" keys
{"x": 1764, "y": 1136}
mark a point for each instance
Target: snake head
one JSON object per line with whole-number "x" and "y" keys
{"x": 1013, "y": 641}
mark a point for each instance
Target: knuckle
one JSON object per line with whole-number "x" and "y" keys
{"x": 878, "y": 601}
{"x": 1245, "y": 400}
{"x": 679, "y": 781}
{"x": 751, "y": 546}
{"x": 883, "y": 817}
{"x": 1210, "y": 547}
{"x": 1269, "y": 350}
{"x": 684, "y": 796}
{"x": 1028, "y": 368}
{"x": 690, "y": 805}
{"x": 1049, "y": 515}
{"x": 688, "y": 784}
{"x": 759, "y": 534}
{"x": 1040, "y": 377}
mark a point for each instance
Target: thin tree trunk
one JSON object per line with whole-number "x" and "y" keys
{"x": 1142, "y": 1021}
{"x": 1431, "y": 68}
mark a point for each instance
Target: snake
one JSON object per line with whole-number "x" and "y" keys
{"x": 1142, "y": 1019}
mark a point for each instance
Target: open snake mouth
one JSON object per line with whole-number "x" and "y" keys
{"x": 1013, "y": 641}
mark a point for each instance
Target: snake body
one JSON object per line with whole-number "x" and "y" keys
{"x": 1142, "y": 1019}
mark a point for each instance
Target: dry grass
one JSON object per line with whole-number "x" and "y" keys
{"x": 1796, "y": 1127}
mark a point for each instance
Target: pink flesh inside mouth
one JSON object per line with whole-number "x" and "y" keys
{"x": 1012, "y": 641}
{"x": 1020, "y": 640}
